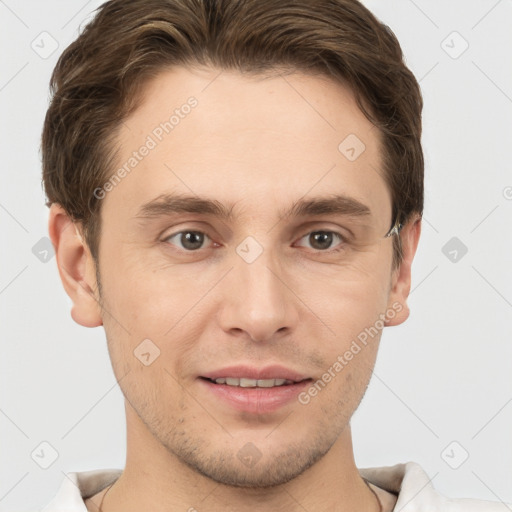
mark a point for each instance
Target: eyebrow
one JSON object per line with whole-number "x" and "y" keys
{"x": 169, "y": 204}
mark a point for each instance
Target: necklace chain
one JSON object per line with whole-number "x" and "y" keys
{"x": 101, "y": 503}
{"x": 374, "y": 493}
{"x": 366, "y": 482}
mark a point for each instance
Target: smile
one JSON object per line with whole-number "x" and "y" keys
{"x": 252, "y": 383}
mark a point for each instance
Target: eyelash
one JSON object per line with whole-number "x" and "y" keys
{"x": 341, "y": 246}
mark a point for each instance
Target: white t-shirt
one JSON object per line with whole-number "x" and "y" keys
{"x": 409, "y": 481}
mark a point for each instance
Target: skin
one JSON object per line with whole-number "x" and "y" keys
{"x": 260, "y": 144}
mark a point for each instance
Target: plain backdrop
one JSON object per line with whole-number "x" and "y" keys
{"x": 441, "y": 394}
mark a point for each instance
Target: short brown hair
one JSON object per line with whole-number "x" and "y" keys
{"x": 98, "y": 78}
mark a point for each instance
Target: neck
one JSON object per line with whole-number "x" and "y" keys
{"x": 155, "y": 479}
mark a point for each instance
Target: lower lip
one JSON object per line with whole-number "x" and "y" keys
{"x": 256, "y": 400}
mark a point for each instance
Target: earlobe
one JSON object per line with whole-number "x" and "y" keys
{"x": 76, "y": 268}
{"x": 401, "y": 280}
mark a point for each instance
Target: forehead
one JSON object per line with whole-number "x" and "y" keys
{"x": 258, "y": 142}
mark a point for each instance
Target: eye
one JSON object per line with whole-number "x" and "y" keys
{"x": 189, "y": 240}
{"x": 322, "y": 240}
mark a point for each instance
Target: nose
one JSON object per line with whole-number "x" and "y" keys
{"x": 259, "y": 303}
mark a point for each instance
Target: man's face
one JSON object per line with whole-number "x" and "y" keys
{"x": 254, "y": 295}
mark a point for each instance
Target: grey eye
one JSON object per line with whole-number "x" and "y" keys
{"x": 322, "y": 240}
{"x": 189, "y": 240}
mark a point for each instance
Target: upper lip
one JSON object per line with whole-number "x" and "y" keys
{"x": 251, "y": 372}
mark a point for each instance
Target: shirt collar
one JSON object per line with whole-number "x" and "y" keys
{"x": 408, "y": 480}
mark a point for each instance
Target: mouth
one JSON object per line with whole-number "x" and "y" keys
{"x": 253, "y": 390}
{"x": 251, "y": 383}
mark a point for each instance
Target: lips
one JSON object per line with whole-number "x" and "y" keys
{"x": 255, "y": 390}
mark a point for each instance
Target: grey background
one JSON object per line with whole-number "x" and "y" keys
{"x": 442, "y": 377}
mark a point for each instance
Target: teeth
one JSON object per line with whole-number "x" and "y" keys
{"x": 252, "y": 383}
{"x": 248, "y": 383}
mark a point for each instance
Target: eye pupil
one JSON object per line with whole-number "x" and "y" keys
{"x": 192, "y": 240}
{"x": 324, "y": 238}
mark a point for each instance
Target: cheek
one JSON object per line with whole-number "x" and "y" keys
{"x": 152, "y": 294}
{"x": 351, "y": 310}
{"x": 348, "y": 297}
{"x": 153, "y": 315}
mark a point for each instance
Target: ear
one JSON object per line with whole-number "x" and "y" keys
{"x": 76, "y": 267}
{"x": 401, "y": 279}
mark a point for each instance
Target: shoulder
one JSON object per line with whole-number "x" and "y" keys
{"x": 416, "y": 493}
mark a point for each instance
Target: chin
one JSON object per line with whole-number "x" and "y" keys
{"x": 254, "y": 469}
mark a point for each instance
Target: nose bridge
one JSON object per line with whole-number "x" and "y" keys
{"x": 259, "y": 302}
